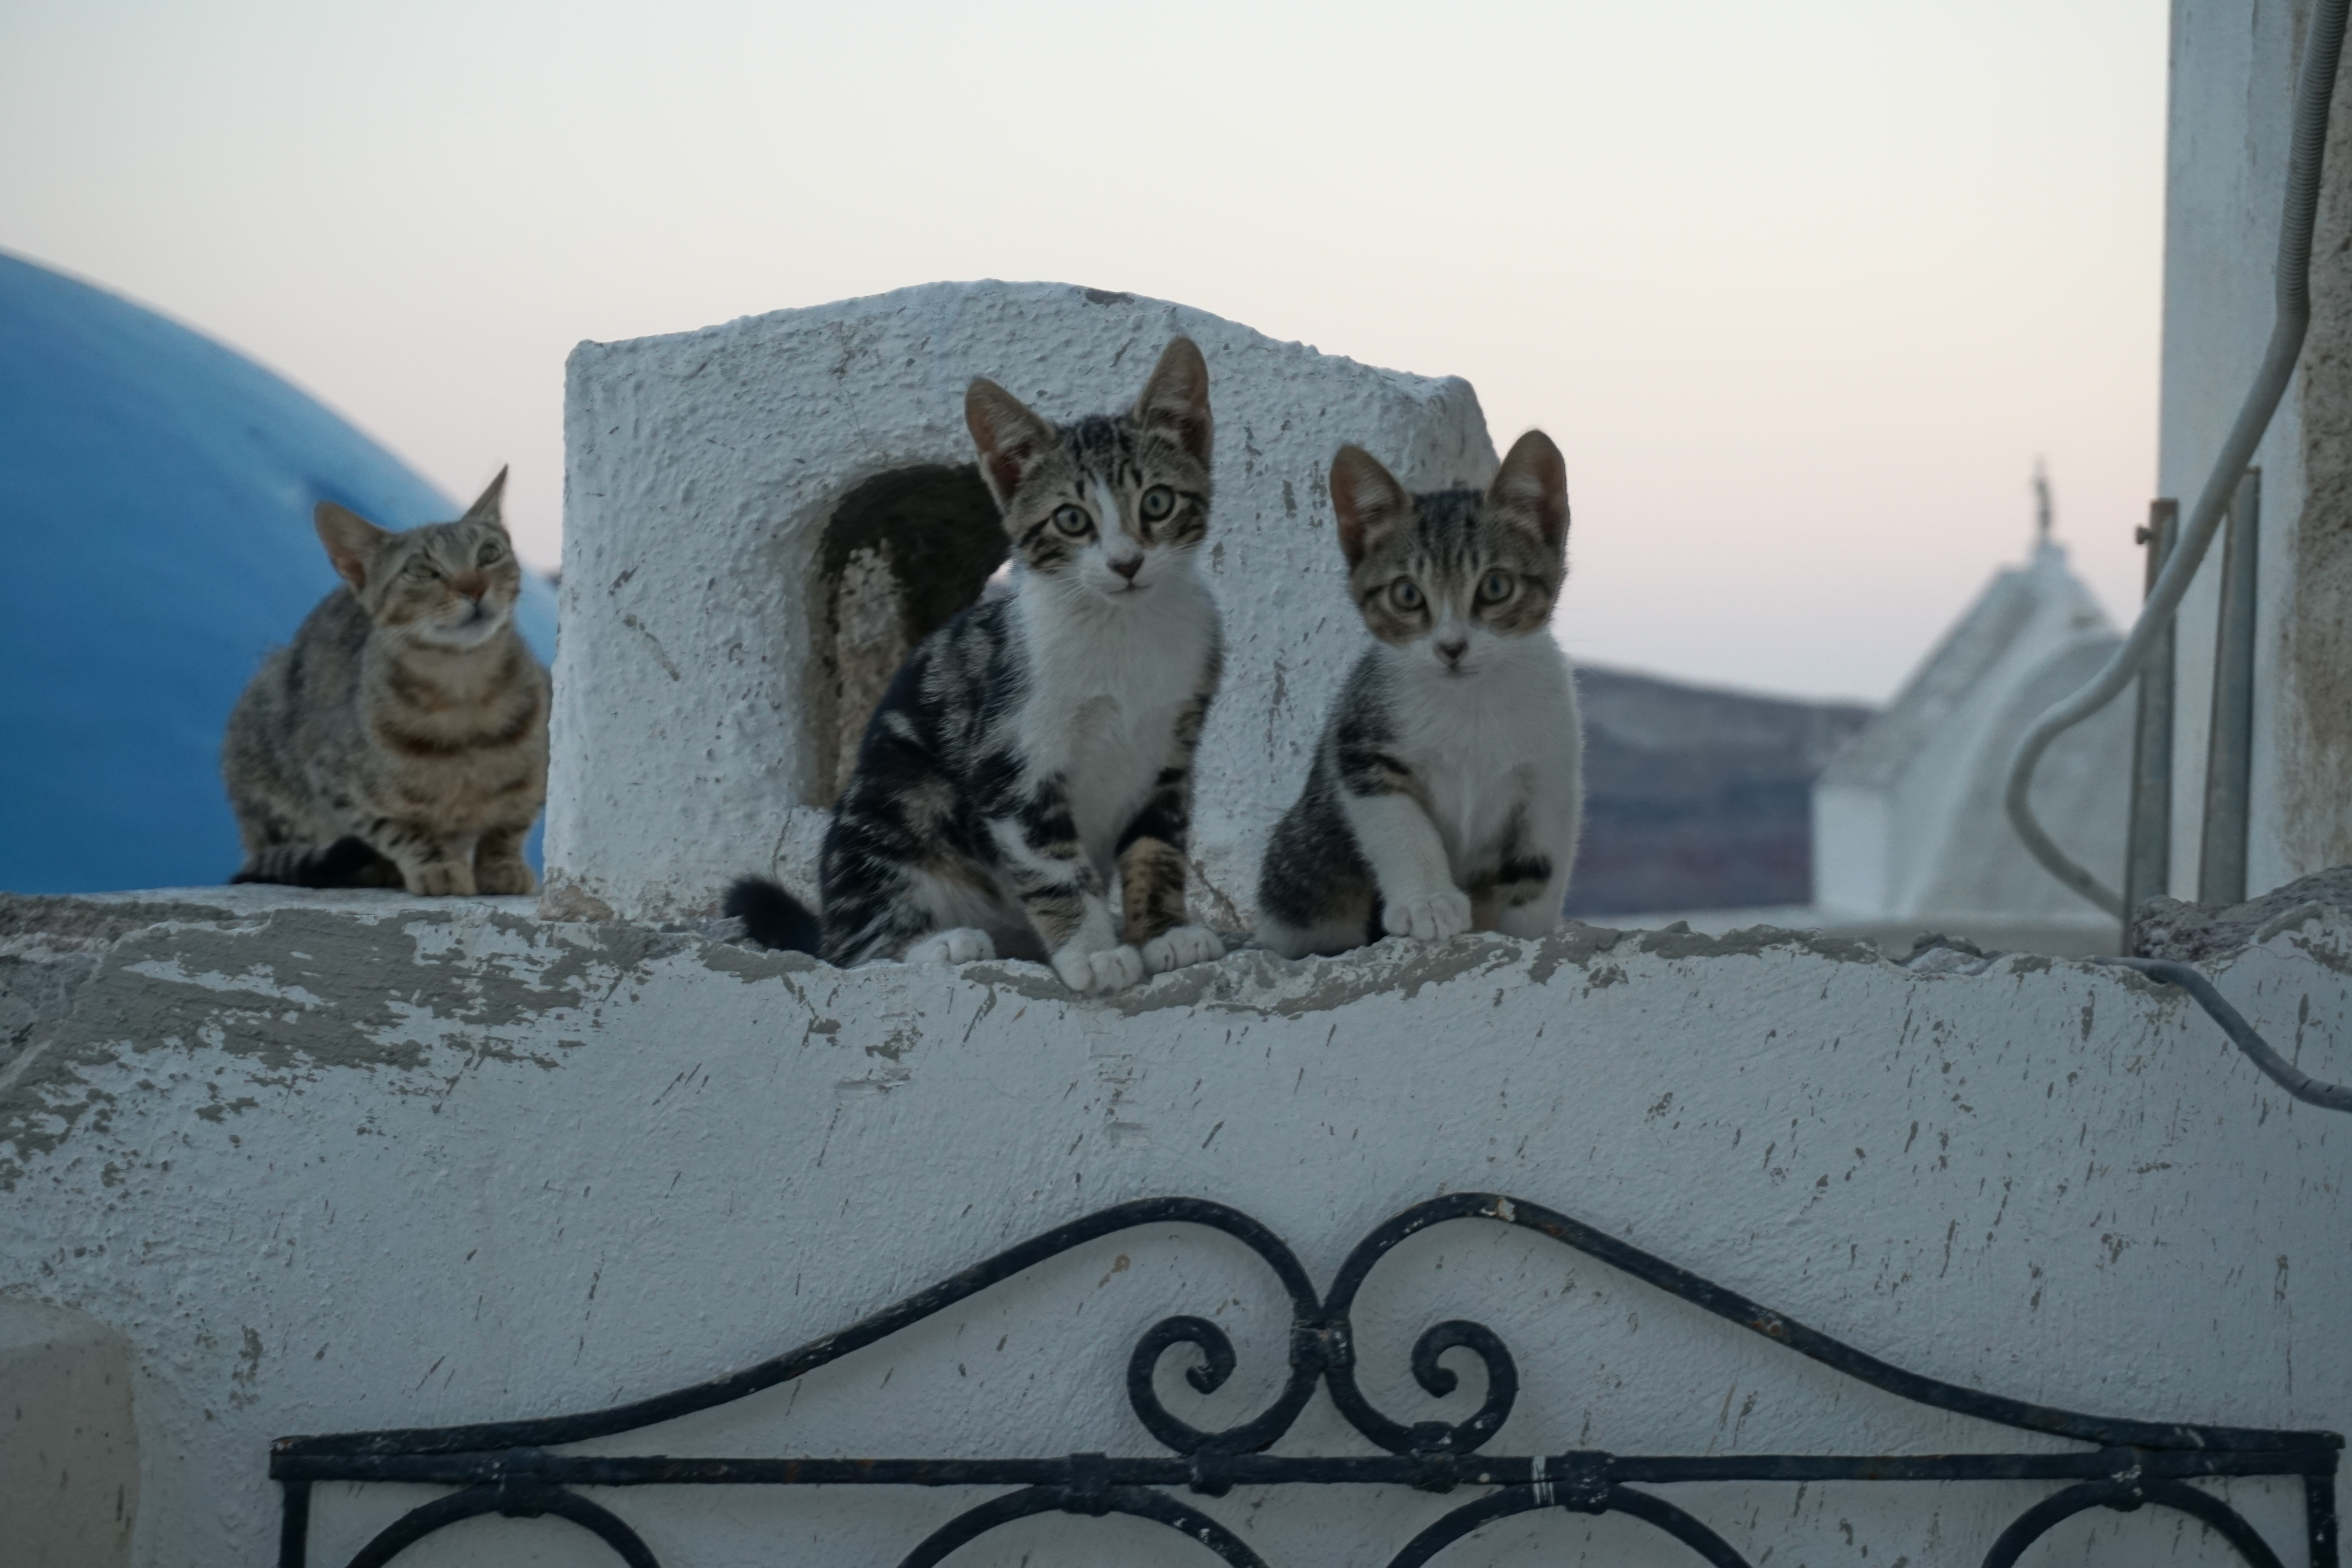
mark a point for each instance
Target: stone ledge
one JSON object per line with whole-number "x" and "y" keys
{"x": 349, "y": 1161}
{"x": 2195, "y": 932}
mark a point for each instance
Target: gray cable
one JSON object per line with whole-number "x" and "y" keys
{"x": 2295, "y": 1081}
{"x": 2323, "y": 43}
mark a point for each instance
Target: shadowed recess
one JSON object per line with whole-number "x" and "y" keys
{"x": 903, "y": 552}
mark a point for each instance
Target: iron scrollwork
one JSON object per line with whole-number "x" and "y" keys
{"x": 509, "y": 1468}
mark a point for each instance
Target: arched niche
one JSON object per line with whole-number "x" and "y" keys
{"x": 901, "y": 555}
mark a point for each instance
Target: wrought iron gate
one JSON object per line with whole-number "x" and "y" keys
{"x": 507, "y": 1467}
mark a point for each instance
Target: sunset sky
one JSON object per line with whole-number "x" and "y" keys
{"x": 1802, "y": 289}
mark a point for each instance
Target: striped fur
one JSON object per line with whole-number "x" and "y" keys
{"x": 400, "y": 740}
{"x": 1446, "y": 793}
{"x": 1040, "y": 745}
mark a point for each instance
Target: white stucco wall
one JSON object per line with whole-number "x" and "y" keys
{"x": 700, "y": 470}
{"x": 333, "y": 1161}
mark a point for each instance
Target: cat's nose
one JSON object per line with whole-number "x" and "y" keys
{"x": 1128, "y": 566}
{"x": 471, "y": 586}
{"x": 1452, "y": 649}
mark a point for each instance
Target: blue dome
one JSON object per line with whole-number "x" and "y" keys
{"x": 155, "y": 500}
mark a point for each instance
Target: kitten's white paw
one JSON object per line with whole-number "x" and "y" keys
{"x": 965, "y": 945}
{"x": 1179, "y": 946}
{"x": 1106, "y": 969}
{"x": 1431, "y": 918}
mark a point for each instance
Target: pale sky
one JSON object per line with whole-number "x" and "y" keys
{"x": 1802, "y": 289}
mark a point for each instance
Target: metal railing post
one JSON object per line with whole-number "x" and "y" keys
{"x": 2230, "y": 743}
{"x": 2147, "y": 855}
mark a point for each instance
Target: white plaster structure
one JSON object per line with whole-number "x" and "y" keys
{"x": 69, "y": 1444}
{"x": 701, "y": 469}
{"x": 1907, "y": 817}
{"x": 342, "y": 1161}
{"x": 2234, "y": 65}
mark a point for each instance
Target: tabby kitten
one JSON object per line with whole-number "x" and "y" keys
{"x": 401, "y": 741}
{"x": 1446, "y": 792}
{"x": 1042, "y": 740}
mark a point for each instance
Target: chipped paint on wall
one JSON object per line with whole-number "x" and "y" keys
{"x": 346, "y": 1161}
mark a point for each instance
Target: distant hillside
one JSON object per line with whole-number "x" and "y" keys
{"x": 1698, "y": 799}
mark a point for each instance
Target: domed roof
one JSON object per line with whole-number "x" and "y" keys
{"x": 155, "y": 500}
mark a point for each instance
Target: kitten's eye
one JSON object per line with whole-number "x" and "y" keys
{"x": 1494, "y": 588}
{"x": 1072, "y": 520}
{"x": 420, "y": 569}
{"x": 1158, "y": 502}
{"x": 490, "y": 553}
{"x": 1404, "y": 594}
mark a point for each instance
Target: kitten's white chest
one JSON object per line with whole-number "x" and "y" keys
{"x": 1498, "y": 755}
{"x": 1104, "y": 694}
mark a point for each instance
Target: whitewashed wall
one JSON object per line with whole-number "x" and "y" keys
{"x": 350, "y": 1161}
{"x": 701, "y": 468}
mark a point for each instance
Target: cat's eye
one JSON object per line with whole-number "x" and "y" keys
{"x": 1494, "y": 588}
{"x": 420, "y": 569}
{"x": 1158, "y": 502}
{"x": 1404, "y": 594}
{"x": 1072, "y": 520}
{"x": 490, "y": 554}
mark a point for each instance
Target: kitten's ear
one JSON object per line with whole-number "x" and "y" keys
{"x": 350, "y": 540}
{"x": 1532, "y": 485}
{"x": 490, "y": 506}
{"x": 1176, "y": 399}
{"x": 1012, "y": 440}
{"x": 1366, "y": 498}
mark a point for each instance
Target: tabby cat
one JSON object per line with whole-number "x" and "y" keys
{"x": 1042, "y": 741}
{"x": 1446, "y": 791}
{"x": 400, "y": 740}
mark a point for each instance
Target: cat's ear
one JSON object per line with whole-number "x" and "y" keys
{"x": 1366, "y": 498}
{"x": 490, "y": 504}
{"x": 1176, "y": 399}
{"x": 350, "y": 540}
{"x": 1012, "y": 440}
{"x": 1532, "y": 485}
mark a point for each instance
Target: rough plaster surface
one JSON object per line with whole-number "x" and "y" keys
{"x": 700, "y": 470}
{"x": 69, "y": 1451}
{"x": 2194, "y": 932}
{"x": 332, "y": 1162}
{"x": 2315, "y": 713}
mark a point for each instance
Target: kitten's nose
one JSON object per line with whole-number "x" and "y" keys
{"x": 1128, "y": 566}
{"x": 471, "y": 586}
{"x": 1452, "y": 649}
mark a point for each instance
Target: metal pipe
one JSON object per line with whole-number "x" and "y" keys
{"x": 2322, "y": 46}
{"x": 2230, "y": 739}
{"x": 2147, "y": 853}
{"x": 2285, "y": 1074}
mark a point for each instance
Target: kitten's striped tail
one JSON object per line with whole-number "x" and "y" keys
{"x": 772, "y": 918}
{"x": 343, "y": 863}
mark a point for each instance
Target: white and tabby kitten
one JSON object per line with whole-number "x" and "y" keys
{"x": 1447, "y": 791}
{"x": 1042, "y": 742}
